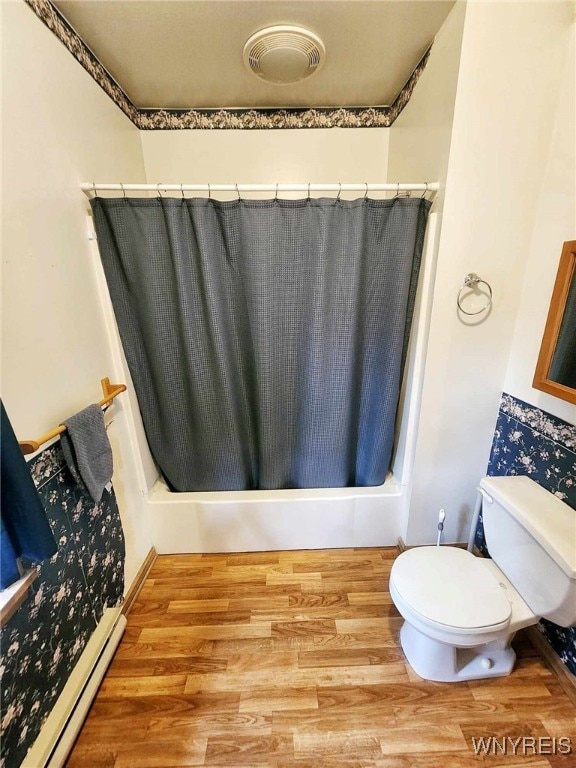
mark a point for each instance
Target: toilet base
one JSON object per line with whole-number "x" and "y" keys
{"x": 443, "y": 663}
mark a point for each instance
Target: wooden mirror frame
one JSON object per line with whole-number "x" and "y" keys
{"x": 566, "y": 274}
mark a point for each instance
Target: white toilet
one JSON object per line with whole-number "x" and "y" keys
{"x": 461, "y": 611}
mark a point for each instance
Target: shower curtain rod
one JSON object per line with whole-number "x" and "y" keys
{"x": 431, "y": 187}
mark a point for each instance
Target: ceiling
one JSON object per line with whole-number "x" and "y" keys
{"x": 187, "y": 54}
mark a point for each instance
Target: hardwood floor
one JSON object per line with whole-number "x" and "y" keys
{"x": 292, "y": 659}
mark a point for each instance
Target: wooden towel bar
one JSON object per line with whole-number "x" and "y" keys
{"x": 110, "y": 391}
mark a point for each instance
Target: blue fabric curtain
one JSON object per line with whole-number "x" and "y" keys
{"x": 24, "y": 530}
{"x": 266, "y": 339}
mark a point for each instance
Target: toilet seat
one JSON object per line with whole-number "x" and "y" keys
{"x": 450, "y": 590}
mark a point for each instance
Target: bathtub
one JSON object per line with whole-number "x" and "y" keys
{"x": 251, "y": 521}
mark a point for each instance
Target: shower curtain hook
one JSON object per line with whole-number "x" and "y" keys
{"x": 366, "y": 193}
{"x": 397, "y": 189}
{"x": 182, "y": 190}
{"x": 209, "y": 193}
{"x": 339, "y": 192}
{"x": 123, "y": 191}
{"x": 238, "y": 192}
{"x": 308, "y": 191}
{"x": 158, "y": 190}
{"x": 276, "y": 195}
{"x": 423, "y": 195}
{"x": 94, "y": 189}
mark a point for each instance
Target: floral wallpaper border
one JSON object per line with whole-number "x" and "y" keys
{"x": 529, "y": 441}
{"x": 215, "y": 119}
{"x": 43, "y": 640}
{"x": 540, "y": 421}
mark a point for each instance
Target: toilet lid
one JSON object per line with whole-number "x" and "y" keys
{"x": 451, "y": 587}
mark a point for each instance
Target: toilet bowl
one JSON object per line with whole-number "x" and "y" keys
{"x": 461, "y": 612}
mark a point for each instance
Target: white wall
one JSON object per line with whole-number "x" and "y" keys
{"x": 510, "y": 74}
{"x": 420, "y": 148}
{"x": 554, "y": 223}
{"x": 266, "y": 156}
{"x": 59, "y": 129}
{"x": 420, "y": 137}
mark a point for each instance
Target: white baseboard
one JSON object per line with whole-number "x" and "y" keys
{"x": 63, "y": 724}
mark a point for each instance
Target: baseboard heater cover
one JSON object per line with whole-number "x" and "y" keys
{"x": 64, "y": 722}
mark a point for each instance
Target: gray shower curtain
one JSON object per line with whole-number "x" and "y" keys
{"x": 266, "y": 339}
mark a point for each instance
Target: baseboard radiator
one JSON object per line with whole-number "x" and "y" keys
{"x": 63, "y": 724}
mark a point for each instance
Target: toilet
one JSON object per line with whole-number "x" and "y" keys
{"x": 461, "y": 612}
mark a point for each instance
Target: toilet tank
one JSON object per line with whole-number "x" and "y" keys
{"x": 531, "y": 536}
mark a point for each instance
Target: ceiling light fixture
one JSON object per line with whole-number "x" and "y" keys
{"x": 284, "y": 54}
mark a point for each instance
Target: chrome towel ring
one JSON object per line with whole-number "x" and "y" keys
{"x": 471, "y": 281}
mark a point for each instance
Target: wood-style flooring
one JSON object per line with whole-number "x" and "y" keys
{"x": 292, "y": 659}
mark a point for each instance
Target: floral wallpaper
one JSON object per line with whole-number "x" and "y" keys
{"x": 529, "y": 441}
{"x": 43, "y": 640}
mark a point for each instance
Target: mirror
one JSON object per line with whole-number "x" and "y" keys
{"x": 556, "y": 366}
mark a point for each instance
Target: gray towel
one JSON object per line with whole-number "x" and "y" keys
{"x": 87, "y": 451}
